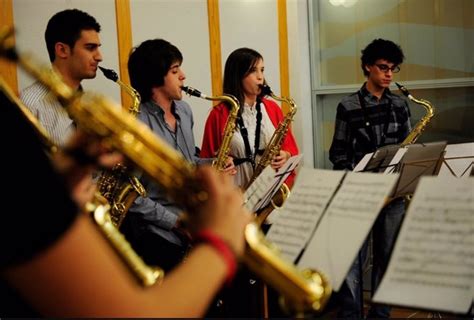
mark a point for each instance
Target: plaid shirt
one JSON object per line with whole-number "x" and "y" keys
{"x": 358, "y": 132}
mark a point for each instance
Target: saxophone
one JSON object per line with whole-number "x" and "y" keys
{"x": 99, "y": 207}
{"x": 101, "y": 118}
{"x": 420, "y": 126}
{"x": 220, "y": 162}
{"x": 274, "y": 145}
{"x": 117, "y": 185}
{"x": 273, "y": 148}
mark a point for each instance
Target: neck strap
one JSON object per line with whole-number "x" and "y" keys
{"x": 249, "y": 156}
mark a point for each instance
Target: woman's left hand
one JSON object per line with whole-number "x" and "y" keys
{"x": 280, "y": 159}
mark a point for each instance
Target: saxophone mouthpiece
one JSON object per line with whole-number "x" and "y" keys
{"x": 403, "y": 89}
{"x": 266, "y": 91}
{"x": 109, "y": 74}
{"x": 192, "y": 92}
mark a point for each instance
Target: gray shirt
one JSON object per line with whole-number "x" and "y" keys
{"x": 156, "y": 213}
{"x": 50, "y": 113}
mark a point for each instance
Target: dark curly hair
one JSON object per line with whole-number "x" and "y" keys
{"x": 149, "y": 63}
{"x": 66, "y": 26}
{"x": 381, "y": 49}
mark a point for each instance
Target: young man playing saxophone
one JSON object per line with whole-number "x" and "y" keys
{"x": 152, "y": 225}
{"x": 72, "y": 40}
{"x": 366, "y": 120}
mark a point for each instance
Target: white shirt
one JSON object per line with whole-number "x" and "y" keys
{"x": 237, "y": 145}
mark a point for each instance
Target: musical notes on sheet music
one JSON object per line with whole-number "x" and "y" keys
{"x": 329, "y": 214}
{"x": 433, "y": 260}
{"x": 346, "y": 224}
{"x": 293, "y": 225}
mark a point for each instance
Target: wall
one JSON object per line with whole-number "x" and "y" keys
{"x": 250, "y": 23}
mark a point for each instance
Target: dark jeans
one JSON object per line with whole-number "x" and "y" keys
{"x": 384, "y": 234}
{"x": 156, "y": 251}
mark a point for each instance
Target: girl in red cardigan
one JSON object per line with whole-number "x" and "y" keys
{"x": 258, "y": 118}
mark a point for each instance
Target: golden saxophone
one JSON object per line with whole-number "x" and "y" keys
{"x": 220, "y": 162}
{"x": 101, "y": 118}
{"x": 118, "y": 185}
{"x": 421, "y": 125}
{"x": 99, "y": 207}
{"x": 273, "y": 148}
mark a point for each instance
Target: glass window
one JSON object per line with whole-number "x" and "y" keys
{"x": 437, "y": 37}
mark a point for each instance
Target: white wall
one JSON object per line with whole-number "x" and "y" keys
{"x": 300, "y": 77}
{"x": 243, "y": 23}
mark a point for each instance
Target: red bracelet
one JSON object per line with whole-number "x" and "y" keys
{"x": 209, "y": 237}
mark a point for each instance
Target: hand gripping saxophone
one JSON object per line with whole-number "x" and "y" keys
{"x": 101, "y": 118}
{"x": 421, "y": 125}
{"x": 273, "y": 148}
{"x": 220, "y": 162}
{"x": 99, "y": 207}
{"x": 118, "y": 185}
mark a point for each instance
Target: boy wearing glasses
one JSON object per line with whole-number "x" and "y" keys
{"x": 366, "y": 120}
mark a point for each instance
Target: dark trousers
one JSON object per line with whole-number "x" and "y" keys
{"x": 384, "y": 234}
{"x": 156, "y": 251}
{"x": 242, "y": 299}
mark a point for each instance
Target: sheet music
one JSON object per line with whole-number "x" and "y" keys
{"x": 458, "y": 160}
{"x": 261, "y": 191}
{"x": 395, "y": 160}
{"x": 293, "y": 225}
{"x": 278, "y": 179}
{"x": 259, "y": 188}
{"x": 346, "y": 224}
{"x": 432, "y": 265}
{"x": 363, "y": 163}
{"x": 419, "y": 160}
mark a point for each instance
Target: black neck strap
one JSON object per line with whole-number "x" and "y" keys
{"x": 249, "y": 156}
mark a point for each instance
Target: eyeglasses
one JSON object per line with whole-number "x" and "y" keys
{"x": 384, "y": 68}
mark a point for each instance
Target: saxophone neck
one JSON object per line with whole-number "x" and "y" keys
{"x": 267, "y": 91}
{"x": 224, "y": 149}
{"x": 420, "y": 126}
{"x": 230, "y": 99}
{"x": 112, "y": 75}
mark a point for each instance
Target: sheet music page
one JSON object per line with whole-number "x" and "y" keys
{"x": 346, "y": 224}
{"x": 260, "y": 192}
{"x": 278, "y": 179}
{"x": 458, "y": 167}
{"x": 395, "y": 160}
{"x": 432, "y": 265}
{"x": 293, "y": 225}
{"x": 259, "y": 188}
{"x": 363, "y": 162}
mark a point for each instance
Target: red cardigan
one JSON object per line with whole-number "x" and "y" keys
{"x": 214, "y": 130}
